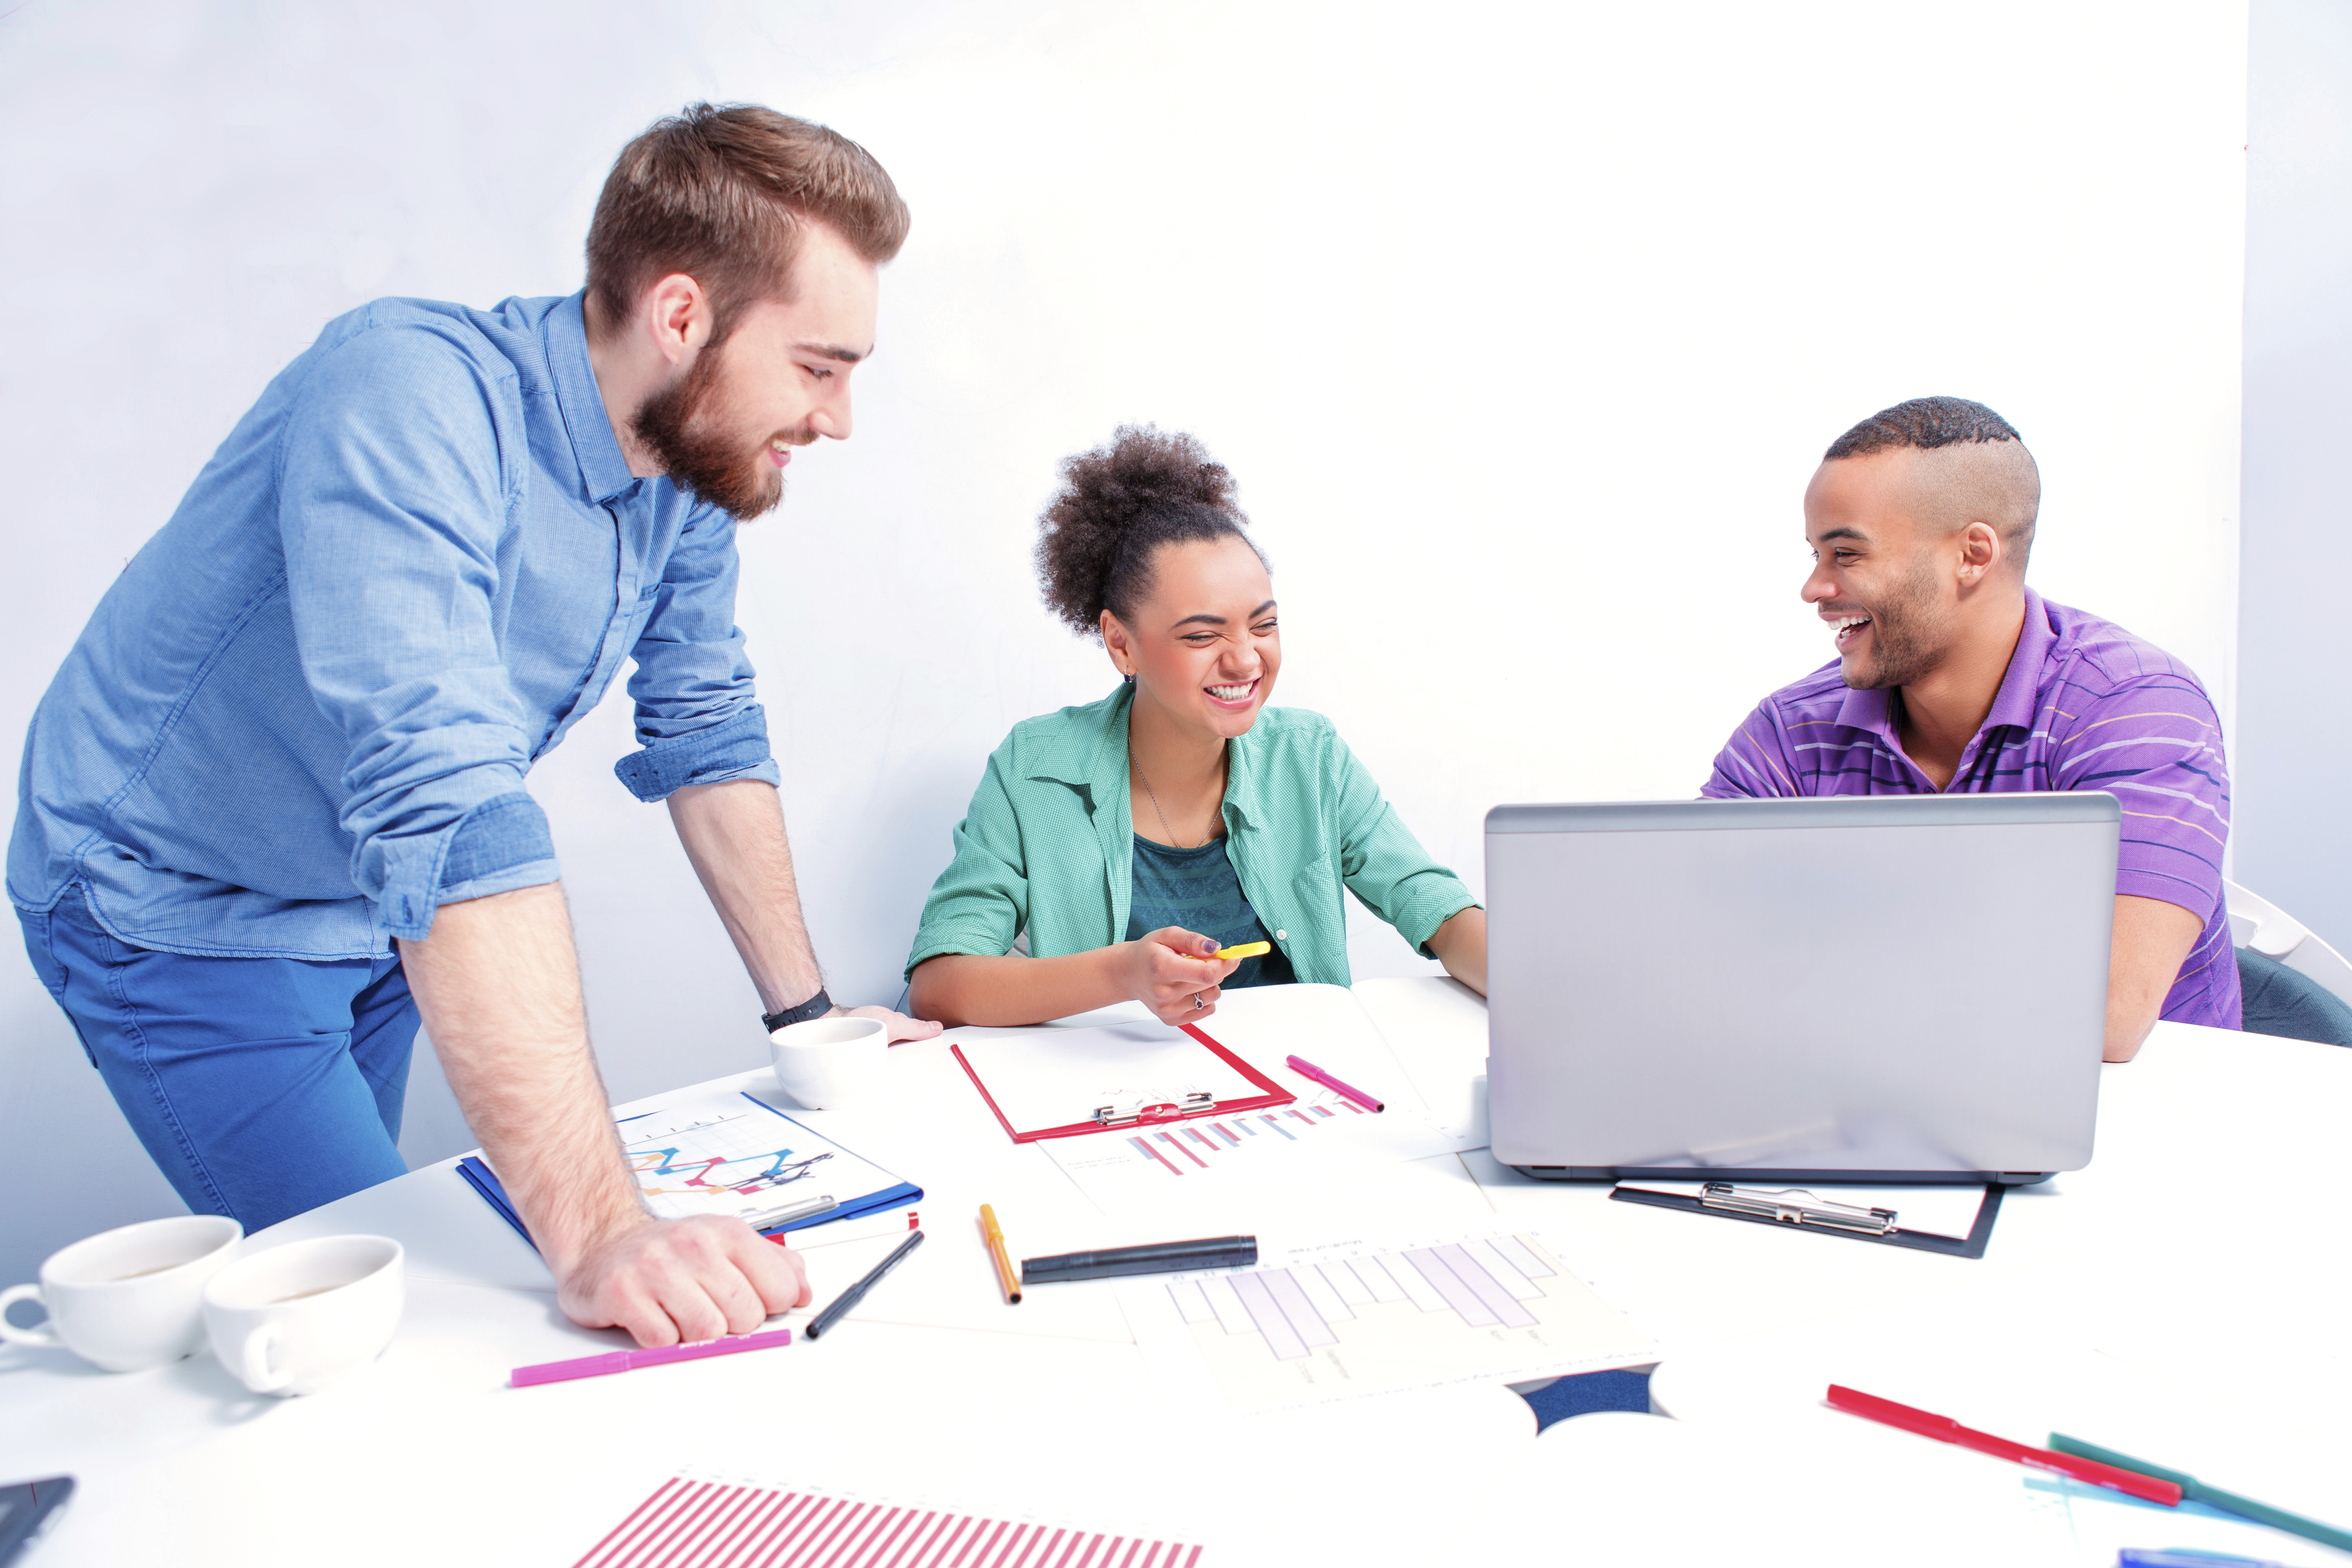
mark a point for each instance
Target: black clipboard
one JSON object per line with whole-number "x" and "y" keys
{"x": 1970, "y": 1246}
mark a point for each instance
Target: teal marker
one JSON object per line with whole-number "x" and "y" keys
{"x": 2194, "y": 1490}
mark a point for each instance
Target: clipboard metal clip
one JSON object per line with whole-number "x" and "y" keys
{"x": 1135, "y": 1112}
{"x": 1795, "y": 1206}
{"x": 786, "y": 1213}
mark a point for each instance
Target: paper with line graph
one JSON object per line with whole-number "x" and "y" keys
{"x": 1342, "y": 1319}
{"x": 729, "y": 1154}
{"x": 725, "y": 1153}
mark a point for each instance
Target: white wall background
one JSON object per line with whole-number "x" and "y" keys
{"x": 2291, "y": 836}
{"x": 1521, "y": 325}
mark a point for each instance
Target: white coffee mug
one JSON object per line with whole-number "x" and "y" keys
{"x": 297, "y": 1318}
{"x": 827, "y": 1062}
{"x": 129, "y": 1298}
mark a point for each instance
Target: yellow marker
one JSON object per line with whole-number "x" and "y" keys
{"x": 1247, "y": 950}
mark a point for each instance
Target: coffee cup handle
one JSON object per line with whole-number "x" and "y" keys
{"x": 254, "y": 1369}
{"x": 44, "y": 1334}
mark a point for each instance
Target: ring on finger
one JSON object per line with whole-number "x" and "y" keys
{"x": 1196, "y": 1000}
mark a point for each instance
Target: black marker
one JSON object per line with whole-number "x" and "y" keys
{"x": 857, "y": 1293}
{"x": 1159, "y": 1257}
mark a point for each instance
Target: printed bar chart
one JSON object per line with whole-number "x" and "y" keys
{"x": 1352, "y": 1318}
{"x": 1158, "y": 1165}
{"x": 689, "y": 1522}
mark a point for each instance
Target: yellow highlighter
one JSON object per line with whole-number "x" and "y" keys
{"x": 1247, "y": 950}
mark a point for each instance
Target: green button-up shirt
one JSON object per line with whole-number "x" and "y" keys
{"x": 1049, "y": 844}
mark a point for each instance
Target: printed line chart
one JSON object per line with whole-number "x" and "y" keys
{"x": 707, "y": 1160}
{"x": 729, "y": 1154}
{"x": 1346, "y": 1319}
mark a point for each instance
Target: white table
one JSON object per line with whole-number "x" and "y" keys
{"x": 2187, "y": 1292}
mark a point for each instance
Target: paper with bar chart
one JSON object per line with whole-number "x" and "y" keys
{"x": 1177, "y": 1164}
{"x": 696, "y": 1522}
{"x": 1342, "y": 1319}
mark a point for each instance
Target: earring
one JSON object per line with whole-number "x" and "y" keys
{"x": 1128, "y": 677}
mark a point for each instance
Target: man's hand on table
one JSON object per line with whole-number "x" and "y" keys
{"x": 672, "y": 1281}
{"x": 898, "y": 1027}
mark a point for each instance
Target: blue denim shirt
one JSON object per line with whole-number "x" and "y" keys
{"x": 300, "y": 721}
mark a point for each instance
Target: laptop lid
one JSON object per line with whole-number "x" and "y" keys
{"x": 1899, "y": 987}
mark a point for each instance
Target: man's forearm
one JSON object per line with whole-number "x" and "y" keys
{"x": 734, "y": 835}
{"x": 2152, "y": 939}
{"x": 497, "y": 984}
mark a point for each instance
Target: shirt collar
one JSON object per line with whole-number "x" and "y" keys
{"x": 2015, "y": 703}
{"x": 602, "y": 469}
{"x": 1090, "y": 752}
{"x": 1241, "y": 778}
{"x": 2020, "y": 697}
{"x": 1092, "y": 756}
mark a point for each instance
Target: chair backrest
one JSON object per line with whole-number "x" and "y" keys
{"x": 2262, "y": 926}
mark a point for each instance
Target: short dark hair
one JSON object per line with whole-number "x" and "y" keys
{"x": 1118, "y": 506}
{"x": 722, "y": 194}
{"x": 1924, "y": 423}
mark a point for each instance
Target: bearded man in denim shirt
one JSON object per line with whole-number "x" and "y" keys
{"x": 272, "y": 807}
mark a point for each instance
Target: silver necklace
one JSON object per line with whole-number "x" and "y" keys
{"x": 1152, "y": 795}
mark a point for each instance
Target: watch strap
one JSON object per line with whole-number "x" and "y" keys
{"x": 816, "y": 1006}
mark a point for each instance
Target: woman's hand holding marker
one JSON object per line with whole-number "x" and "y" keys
{"x": 1175, "y": 972}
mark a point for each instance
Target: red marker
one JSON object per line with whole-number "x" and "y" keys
{"x": 1944, "y": 1429}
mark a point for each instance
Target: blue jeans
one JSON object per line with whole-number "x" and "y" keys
{"x": 261, "y": 1087}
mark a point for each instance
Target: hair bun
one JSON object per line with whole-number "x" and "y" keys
{"x": 1117, "y": 505}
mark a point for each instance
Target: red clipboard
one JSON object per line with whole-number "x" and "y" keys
{"x": 1275, "y": 1095}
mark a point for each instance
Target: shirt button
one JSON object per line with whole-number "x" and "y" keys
{"x": 1281, "y": 936}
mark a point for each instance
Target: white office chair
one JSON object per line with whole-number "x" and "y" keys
{"x": 2255, "y": 923}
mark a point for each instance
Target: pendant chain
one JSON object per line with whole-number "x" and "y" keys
{"x": 1153, "y": 797}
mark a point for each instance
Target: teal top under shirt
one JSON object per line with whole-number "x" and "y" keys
{"x": 1047, "y": 847}
{"x": 1197, "y": 890}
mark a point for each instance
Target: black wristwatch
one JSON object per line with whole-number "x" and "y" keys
{"x": 816, "y": 1006}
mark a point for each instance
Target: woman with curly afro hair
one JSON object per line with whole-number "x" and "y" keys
{"x": 1129, "y": 840}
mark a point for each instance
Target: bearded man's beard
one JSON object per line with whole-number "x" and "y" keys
{"x": 1908, "y": 634}
{"x": 674, "y": 424}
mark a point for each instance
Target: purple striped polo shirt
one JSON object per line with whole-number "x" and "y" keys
{"x": 2084, "y": 705}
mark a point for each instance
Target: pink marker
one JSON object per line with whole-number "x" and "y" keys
{"x": 629, "y": 1360}
{"x": 1301, "y": 1065}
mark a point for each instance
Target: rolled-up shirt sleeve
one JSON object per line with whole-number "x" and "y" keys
{"x": 391, "y": 529}
{"x": 980, "y": 902}
{"x": 1383, "y": 863}
{"x": 698, "y": 722}
{"x": 2153, "y": 741}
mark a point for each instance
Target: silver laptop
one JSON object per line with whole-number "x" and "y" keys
{"x": 1877, "y": 989}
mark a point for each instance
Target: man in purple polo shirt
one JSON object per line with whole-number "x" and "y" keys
{"x": 1952, "y": 674}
